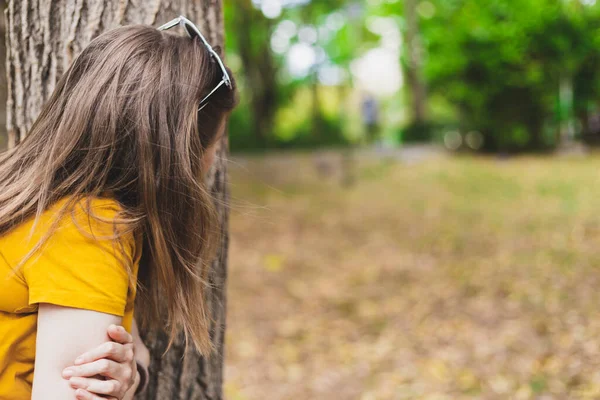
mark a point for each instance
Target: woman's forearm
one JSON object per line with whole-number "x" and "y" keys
{"x": 141, "y": 351}
{"x": 142, "y": 357}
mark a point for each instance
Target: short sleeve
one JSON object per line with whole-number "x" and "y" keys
{"x": 81, "y": 265}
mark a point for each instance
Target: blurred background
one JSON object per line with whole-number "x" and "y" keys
{"x": 415, "y": 195}
{"x": 414, "y": 208}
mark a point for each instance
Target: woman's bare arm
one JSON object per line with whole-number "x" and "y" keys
{"x": 142, "y": 356}
{"x": 123, "y": 379}
{"x": 64, "y": 333}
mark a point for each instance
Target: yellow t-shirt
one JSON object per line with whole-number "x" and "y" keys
{"x": 72, "y": 269}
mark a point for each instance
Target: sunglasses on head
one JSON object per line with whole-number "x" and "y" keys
{"x": 192, "y": 31}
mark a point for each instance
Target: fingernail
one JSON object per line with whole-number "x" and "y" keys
{"x": 79, "y": 360}
{"x": 67, "y": 373}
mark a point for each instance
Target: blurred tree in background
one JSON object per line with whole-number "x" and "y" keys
{"x": 292, "y": 59}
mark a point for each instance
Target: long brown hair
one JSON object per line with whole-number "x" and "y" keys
{"x": 123, "y": 121}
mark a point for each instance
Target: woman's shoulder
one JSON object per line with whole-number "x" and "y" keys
{"x": 86, "y": 257}
{"x": 105, "y": 207}
{"x": 95, "y": 218}
{"x": 100, "y": 217}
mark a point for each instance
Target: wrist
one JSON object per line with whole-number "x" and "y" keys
{"x": 144, "y": 376}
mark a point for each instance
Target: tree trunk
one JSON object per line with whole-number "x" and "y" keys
{"x": 415, "y": 63}
{"x": 259, "y": 66}
{"x": 43, "y": 37}
{"x": 3, "y": 90}
{"x": 316, "y": 116}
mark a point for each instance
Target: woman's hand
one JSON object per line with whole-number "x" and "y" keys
{"x": 108, "y": 371}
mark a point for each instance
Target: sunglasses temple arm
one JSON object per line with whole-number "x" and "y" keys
{"x": 170, "y": 24}
{"x": 208, "y": 95}
{"x": 226, "y": 78}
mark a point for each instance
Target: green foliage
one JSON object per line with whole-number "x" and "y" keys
{"x": 326, "y": 132}
{"x": 501, "y": 63}
{"x": 517, "y": 71}
{"x": 293, "y": 130}
{"x": 418, "y": 132}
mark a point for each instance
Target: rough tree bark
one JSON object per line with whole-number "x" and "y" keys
{"x": 43, "y": 37}
{"x": 3, "y": 90}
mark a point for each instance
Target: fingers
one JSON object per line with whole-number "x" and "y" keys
{"x": 102, "y": 367}
{"x": 109, "y": 350}
{"x": 119, "y": 334}
{"x": 82, "y": 394}
{"x": 95, "y": 386}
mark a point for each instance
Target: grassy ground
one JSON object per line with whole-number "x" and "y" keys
{"x": 455, "y": 278}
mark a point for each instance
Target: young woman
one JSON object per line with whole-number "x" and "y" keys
{"x": 103, "y": 199}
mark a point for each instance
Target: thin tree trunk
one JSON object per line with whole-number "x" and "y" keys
{"x": 43, "y": 37}
{"x": 316, "y": 117}
{"x": 259, "y": 67}
{"x": 415, "y": 63}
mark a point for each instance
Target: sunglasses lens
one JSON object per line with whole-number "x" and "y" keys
{"x": 190, "y": 31}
